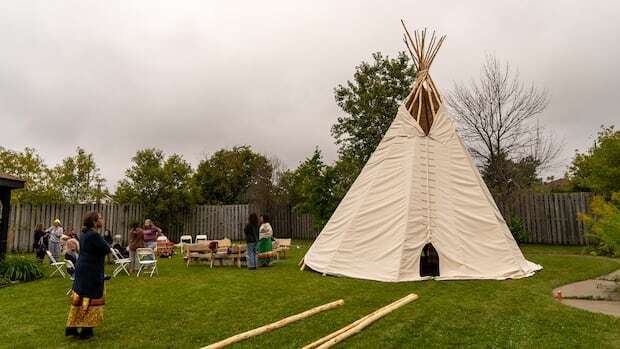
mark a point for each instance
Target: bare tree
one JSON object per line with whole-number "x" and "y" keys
{"x": 498, "y": 116}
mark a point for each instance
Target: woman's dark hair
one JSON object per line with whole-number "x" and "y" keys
{"x": 90, "y": 220}
{"x": 253, "y": 219}
{"x": 135, "y": 225}
{"x": 265, "y": 218}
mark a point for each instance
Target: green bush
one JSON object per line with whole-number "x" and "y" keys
{"x": 4, "y": 282}
{"x": 604, "y": 225}
{"x": 20, "y": 268}
{"x": 517, "y": 228}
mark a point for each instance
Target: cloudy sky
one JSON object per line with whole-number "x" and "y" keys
{"x": 192, "y": 77}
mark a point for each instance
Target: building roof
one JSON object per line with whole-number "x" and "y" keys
{"x": 11, "y": 182}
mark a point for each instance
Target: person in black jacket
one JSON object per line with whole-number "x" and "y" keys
{"x": 87, "y": 300}
{"x": 39, "y": 244}
{"x": 251, "y": 238}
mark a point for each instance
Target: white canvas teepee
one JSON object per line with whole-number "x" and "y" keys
{"x": 420, "y": 186}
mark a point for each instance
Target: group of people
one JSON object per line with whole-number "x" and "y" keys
{"x": 140, "y": 237}
{"x": 259, "y": 241}
{"x": 57, "y": 241}
{"x": 89, "y": 250}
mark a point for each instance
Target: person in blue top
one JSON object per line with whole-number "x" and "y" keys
{"x": 87, "y": 299}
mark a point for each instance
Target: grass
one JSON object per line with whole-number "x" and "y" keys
{"x": 192, "y": 307}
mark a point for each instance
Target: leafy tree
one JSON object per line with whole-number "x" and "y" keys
{"x": 163, "y": 186}
{"x": 345, "y": 171}
{"x": 311, "y": 184}
{"x": 604, "y": 225}
{"x": 505, "y": 177}
{"x": 232, "y": 176}
{"x": 29, "y": 166}
{"x": 371, "y": 100}
{"x": 79, "y": 179}
{"x": 317, "y": 188}
{"x": 598, "y": 169}
{"x": 143, "y": 180}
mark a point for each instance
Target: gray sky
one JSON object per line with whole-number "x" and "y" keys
{"x": 192, "y": 77}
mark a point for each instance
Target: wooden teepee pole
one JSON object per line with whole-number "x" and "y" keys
{"x": 436, "y": 93}
{"x": 275, "y": 325}
{"x": 322, "y": 340}
{"x": 423, "y": 51}
{"x": 368, "y": 320}
{"x": 430, "y": 99}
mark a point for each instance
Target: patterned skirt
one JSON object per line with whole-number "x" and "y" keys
{"x": 85, "y": 312}
{"x": 264, "y": 251}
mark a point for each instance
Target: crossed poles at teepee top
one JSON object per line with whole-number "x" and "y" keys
{"x": 423, "y": 54}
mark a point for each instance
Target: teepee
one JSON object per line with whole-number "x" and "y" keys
{"x": 420, "y": 188}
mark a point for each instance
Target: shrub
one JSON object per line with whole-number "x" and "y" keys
{"x": 20, "y": 268}
{"x": 517, "y": 228}
{"x": 4, "y": 282}
{"x": 604, "y": 225}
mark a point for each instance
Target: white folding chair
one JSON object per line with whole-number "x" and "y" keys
{"x": 162, "y": 238}
{"x": 70, "y": 266}
{"x": 185, "y": 239}
{"x": 119, "y": 262}
{"x": 201, "y": 238}
{"x": 56, "y": 264}
{"x": 146, "y": 259}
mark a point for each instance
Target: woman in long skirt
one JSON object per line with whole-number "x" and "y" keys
{"x": 265, "y": 233}
{"x": 87, "y": 299}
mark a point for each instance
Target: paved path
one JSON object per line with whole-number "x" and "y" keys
{"x": 604, "y": 307}
{"x": 598, "y": 295}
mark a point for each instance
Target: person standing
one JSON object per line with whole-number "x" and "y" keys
{"x": 55, "y": 233}
{"x": 265, "y": 233}
{"x": 38, "y": 244}
{"x": 87, "y": 299}
{"x": 150, "y": 232}
{"x": 107, "y": 237}
{"x": 136, "y": 241}
{"x": 251, "y": 238}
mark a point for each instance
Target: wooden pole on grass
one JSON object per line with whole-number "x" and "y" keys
{"x": 275, "y": 325}
{"x": 354, "y": 328}
{"x": 334, "y": 334}
{"x": 347, "y": 327}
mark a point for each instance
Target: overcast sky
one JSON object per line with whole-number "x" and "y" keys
{"x": 192, "y": 77}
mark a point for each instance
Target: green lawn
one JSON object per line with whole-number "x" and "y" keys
{"x": 192, "y": 307}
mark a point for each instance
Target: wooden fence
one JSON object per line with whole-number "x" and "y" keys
{"x": 291, "y": 225}
{"x": 551, "y": 218}
{"x": 217, "y": 222}
{"x": 24, "y": 219}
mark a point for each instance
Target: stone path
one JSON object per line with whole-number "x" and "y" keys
{"x": 599, "y": 295}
